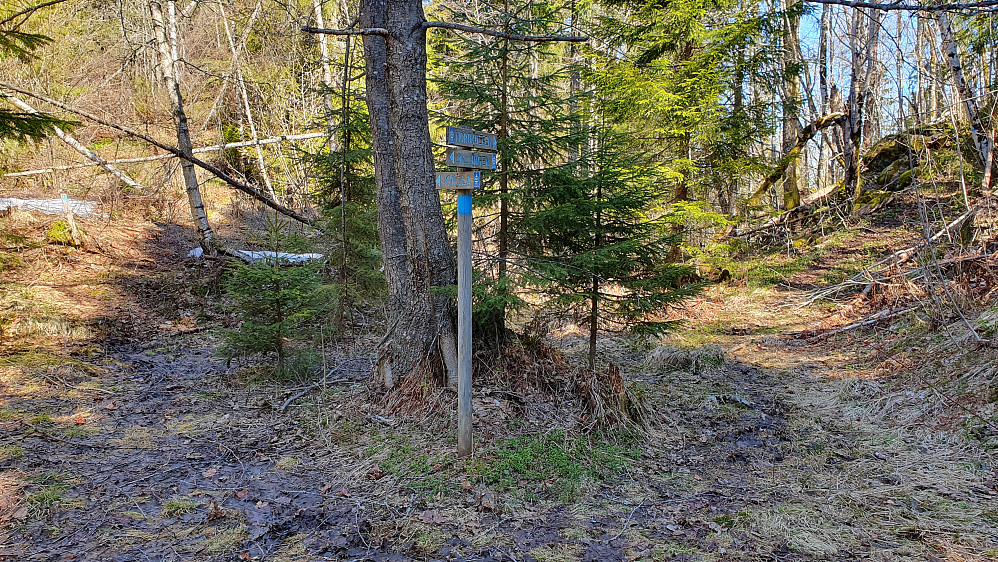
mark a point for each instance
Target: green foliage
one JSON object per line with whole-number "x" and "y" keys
{"x": 347, "y": 173}
{"x": 519, "y": 91}
{"x": 601, "y": 239}
{"x": 554, "y": 460}
{"x": 275, "y": 301}
{"x": 18, "y": 125}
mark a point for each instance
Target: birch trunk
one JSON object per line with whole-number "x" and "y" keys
{"x": 244, "y": 95}
{"x": 167, "y": 69}
{"x": 982, "y": 140}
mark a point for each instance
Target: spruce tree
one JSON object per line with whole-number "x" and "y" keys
{"x": 516, "y": 90}
{"x": 275, "y": 301}
{"x": 601, "y": 242}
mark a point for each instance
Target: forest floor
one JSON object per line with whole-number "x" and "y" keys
{"x": 123, "y": 436}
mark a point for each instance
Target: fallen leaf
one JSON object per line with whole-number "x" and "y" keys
{"x": 215, "y": 510}
{"x": 431, "y": 516}
{"x": 242, "y": 494}
{"x": 22, "y": 513}
{"x": 210, "y": 472}
{"x": 110, "y": 406}
{"x": 375, "y": 473}
{"x": 467, "y": 485}
{"x": 343, "y": 493}
{"x": 80, "y": 419}
{"x": 325, "y": 488}
{"x": 245, "y": 555}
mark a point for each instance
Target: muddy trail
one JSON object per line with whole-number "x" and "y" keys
{"x": 161, "y": 453}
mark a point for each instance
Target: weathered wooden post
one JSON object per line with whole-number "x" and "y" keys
{"x": 465, "y": 182}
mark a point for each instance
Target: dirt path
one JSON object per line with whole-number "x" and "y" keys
{"x": 159, "y": 454}
{"x": 122, "y": 438}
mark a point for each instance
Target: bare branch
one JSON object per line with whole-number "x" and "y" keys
{"x": 248, "y": 189}
{"x": 502, "y": 35}
{"x": 351, "y": 31}
{"x": 28, "y": 11}
{"x": 456, "y": 27}
{"x": 980, "y": 6}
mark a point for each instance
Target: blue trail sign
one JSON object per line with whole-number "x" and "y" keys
{"x": 471, "y": 159}
{"x": 459, "y": 180}
{"x": 460, "y": 136}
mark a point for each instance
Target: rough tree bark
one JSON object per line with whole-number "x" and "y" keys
{"x": 417, "y": 256}
{"x": 167, "y": 65}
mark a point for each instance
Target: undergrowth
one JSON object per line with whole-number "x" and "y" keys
{"x": 553, "y": 464}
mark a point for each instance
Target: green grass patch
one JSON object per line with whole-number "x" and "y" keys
{"x": 10, "y": 453}
{"x": 555, "y": 462}
{"x": 51, "y": 491}
{"x": 178, "y": 506}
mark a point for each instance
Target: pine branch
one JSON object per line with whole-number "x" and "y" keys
{"x": 981, "y": 6}
{"x": 248, "y": 189}
{"x": 32, "y": 9}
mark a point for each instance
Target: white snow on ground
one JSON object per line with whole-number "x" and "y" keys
{"x": 250, "y": 256}
{"x": 49, "y": 206}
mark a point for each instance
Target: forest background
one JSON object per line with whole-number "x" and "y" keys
{"x": 693, "y": 166}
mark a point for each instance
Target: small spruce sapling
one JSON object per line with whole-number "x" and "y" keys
{"x": 275, "y": 300}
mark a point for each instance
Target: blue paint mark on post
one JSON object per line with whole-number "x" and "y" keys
{"x": 464, "y": 204}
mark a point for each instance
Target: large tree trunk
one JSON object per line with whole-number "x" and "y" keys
{"x": 982, "y": 140}
{"x": 168, "y": 69}
{"x": 417, "y": 255}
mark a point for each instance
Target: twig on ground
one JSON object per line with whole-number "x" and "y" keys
{"x": 872, "y": 319}
{"x": 312, "y": 387}
{"x": 628, "y": 522}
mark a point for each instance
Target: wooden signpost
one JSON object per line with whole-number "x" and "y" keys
{"x": 465, "y": 181}
{"x": 459, "y": 180}
{"x": 471, "y": 159}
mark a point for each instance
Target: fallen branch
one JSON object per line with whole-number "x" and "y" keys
{"x": 77, "y": 146}
{"x": 252, "y": 191}
{"x": 802, "y": 139}
{"x": 312, "y": 387}
{"x": 869, "y": 275}
{"x": 872, "y": 319}
{"x": 217, "y": 147}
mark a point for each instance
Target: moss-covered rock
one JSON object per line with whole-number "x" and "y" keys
{"x": 61, "y": 233}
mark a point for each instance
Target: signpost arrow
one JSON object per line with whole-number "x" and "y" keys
{"x": 471, "y": 159}
{"x": 460, "y": 136}
{"x": 459, "y": 180}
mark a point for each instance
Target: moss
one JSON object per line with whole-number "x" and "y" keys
{"x": 176, "y": 507}
{"x": 59, "y": 233}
